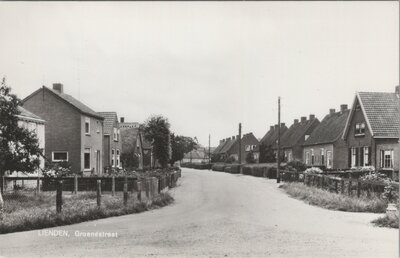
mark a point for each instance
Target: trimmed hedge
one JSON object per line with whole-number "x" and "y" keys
{"x": 196, "y": 165}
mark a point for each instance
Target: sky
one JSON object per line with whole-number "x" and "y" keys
{"x": 206, "y": 66}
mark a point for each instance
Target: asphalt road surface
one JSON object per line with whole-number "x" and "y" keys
{"x": 218, "y": 215}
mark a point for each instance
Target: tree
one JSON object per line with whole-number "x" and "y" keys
{"x": 130, "y": 160}
{"x": 156, "y": 130}
{"x": 19, "y": 148}
{"x": 267, "y": 154}
{"x": 250, "y": 158}
{"x": 181, "y": 145}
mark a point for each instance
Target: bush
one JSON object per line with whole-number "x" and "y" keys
{"x": 218, "y": 167}
{"x": 247, "y": 170}
{"x": 385, "y": 221}
{"x": 258, "y": 171}
{"x": 313, "y": 170}
{"x": 230, "y": 160}
{"x": 296, "y": 165}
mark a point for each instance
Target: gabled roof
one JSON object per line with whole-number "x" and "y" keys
{"x": 109, "y": 119}
{"x": 219, "y": 147}
{"x": 249, "y": 138}
{"x": 296, "y": 131}
{"x": 228, "y": 145}
{"x": 329, "y": 130}
{"x": 271, "y": 137}
{"x": 25, "y": 114}
{"x": 381, "y": 111}
{"x": 70, "y": 100}
{"x": 195, "y": 154}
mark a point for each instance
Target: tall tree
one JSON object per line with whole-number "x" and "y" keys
{"x": 19, "y": 148}
{"x": 156, "y": 130}
{"x": 181, "y": 145}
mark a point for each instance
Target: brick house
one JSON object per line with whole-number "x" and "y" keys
{"x": 112, "y": 143}
{"x": 34, "y": 123}
{"x": 270, "y": 140}
{"x": 133, "y": 143}
{"x": 293, "y": 139}
{"x": 74, "y": 132}
{"x": 325, "y": 146}
{"x": 372, "y": 130}
{"x": 229, "y": 147}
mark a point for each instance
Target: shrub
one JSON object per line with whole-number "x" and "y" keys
{"x": 258, "y": 171}
{"x": 386, "y": 221}
{"x": 230, "y": 160}
{"x": 296, "y": 165}
{"x": 313, "y": 170}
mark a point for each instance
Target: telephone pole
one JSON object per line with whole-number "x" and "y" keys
{"x": 209, "y": 149}
{"x": 240, "y": 148}
{"x": 278, "y": 172}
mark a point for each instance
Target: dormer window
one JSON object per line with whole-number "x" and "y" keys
{"x": 360, "y": 129}
{"x": 98, "y": 127}
{"x": 87, "y": 125}
{"x": 306, "y": 137}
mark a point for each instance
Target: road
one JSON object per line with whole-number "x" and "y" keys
{"x": 218, "y": 215}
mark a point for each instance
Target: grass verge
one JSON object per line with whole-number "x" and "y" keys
{"x": 334, "y": 201}
{"x": 28, "y": 212}
{"x": 385, "y": 221}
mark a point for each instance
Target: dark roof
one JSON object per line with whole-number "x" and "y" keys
{"x": 228, "y": 145}
{"x": 109, "y": 119}
{"x": 296, "y": 131}
{"x": 329, "y": 130}
{"x": 195, "y": 154}
{"x": 28, "y": 114}
{"x": 250, "y": 139}
{"x": 219, "y": 147}
{"x": 271, "y": 137}
{"x": 382, "y": 113}
{"x": 70, "y": 100}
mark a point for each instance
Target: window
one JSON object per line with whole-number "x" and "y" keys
{"x": 86, "y": 159}
{"x": 247, "y": 148}
{"x": 112, "y": 157}
{"x": 87, "y": 125}
{"x": 360, "y": 128}
{"x": 115, "y": 134}
{"x": 312, "y": 156}
{"x": 322, "y": 157}
{"x": 366, "y": 157}
{"x": 117, "y": 163}
{"x": 290, "y": 156}
{"x": 58, "y": 156}
{"x": 307, "y": 158}
{"x": 353, "y": 157}
{"x": 98, "y": 126}
{"x": 329, "y": 159}
{"x": 306, "y": 137}
{"x": 387, "y": 158}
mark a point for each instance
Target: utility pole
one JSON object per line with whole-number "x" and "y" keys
{"x": 209, "y": 149}
{"x": 240, "y": 148}
{"x": 278, "y": 172}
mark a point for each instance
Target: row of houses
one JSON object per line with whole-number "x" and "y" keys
{"x": 68, "y": 130}
{"x": 365, "y": 135}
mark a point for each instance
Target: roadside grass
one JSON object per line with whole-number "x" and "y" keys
{"x": 27, "y": 211}
{"x": 334, "y": 201}
{"x": 385, "y": 221}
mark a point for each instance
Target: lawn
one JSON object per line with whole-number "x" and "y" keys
{"x": 334, "y": 201}
{"x": 25, "y": 210}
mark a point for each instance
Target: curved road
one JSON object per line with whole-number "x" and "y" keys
{"x": 218, "y": 215}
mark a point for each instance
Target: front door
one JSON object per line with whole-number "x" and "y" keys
{"x": 98, "y": 162}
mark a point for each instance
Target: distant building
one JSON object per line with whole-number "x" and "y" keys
{"x": 325, "y": 146}
{"x": 372, "y": 130}
{"x": 74, "y": 132}
{"x": 229, "y": 147}
{"x": 112, "y": 143}
{"x": 270, "y": 140}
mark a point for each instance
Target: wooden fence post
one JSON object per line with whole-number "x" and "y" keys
{"x": 336, "y": 186}
{"x": 98, "y": 193}
{"x": 368, "y": 190}
{"x": 358, "y": 189}
{"x": 349, "y": 188}
{"x": 59, "y": 196}
{"x": 342, "y": 185}
{"x": 3, "y": 184}
{"x": 139, "y": 196}
{"x": 126, "y": 191}
{"x": 113, "y": 185}
{"x": 75, "y": 184}
{"x": 38, "y": 185}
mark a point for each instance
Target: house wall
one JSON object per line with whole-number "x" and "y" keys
{"x": 388, "y": 144}
{"x": 340, "y": 154}
{"x": 94, "y": 141}
{"x": 106, "y": 151}
{"x": 63, "y": 125}
{"x": 246, "y": 140}
{"x": 359, "y": 141}
{"x": 113, "y": 144}
{"x": 318, "y": 149}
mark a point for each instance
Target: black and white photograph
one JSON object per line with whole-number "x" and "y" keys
{"x": 199, "y": 129}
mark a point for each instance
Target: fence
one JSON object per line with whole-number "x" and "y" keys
{"x": 341, "y": 185}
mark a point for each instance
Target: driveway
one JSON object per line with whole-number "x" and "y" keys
{"x": 217, "y": 215}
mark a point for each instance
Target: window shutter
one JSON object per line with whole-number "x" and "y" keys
{"x": 369, "y": 156}
{"x": 349, "y": 158}
{"x": 362, "y": 156}
{"x": 382, "y": 159}
{"x": 357, "y": 152}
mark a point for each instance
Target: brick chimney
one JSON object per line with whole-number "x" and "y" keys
{"x": 276, "y": 126}
{"x": 122, "y": 119}
{"x": 58, "y": 87}
{"x": 271, "y": 128}
{"x": 312, "y": 116}
{"x": 282, "y": 125}
{"x": 331, "y": 111}
{"x": 296, "y": 121}
{"x": 303, "y": 119}
{"x": 233, "y": 137}
{"x": 343, "y": 107}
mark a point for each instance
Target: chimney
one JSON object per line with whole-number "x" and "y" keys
{"x": 271, "y": 128}
{"x": 296, "y": 121}
{"x": 276, "y": 126}
{"x": 312, "y": 116}
{"x": 397, "y": 91}
{"x": 282, "y": 125}
{"x": 122, "y": 119}
{"x": 331, "y": 111}
{"x": 58, "y": 87}
{"x": 303, "y": 119}
{"x": 233, "y": 137}
{"x": 343, "y": 107}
